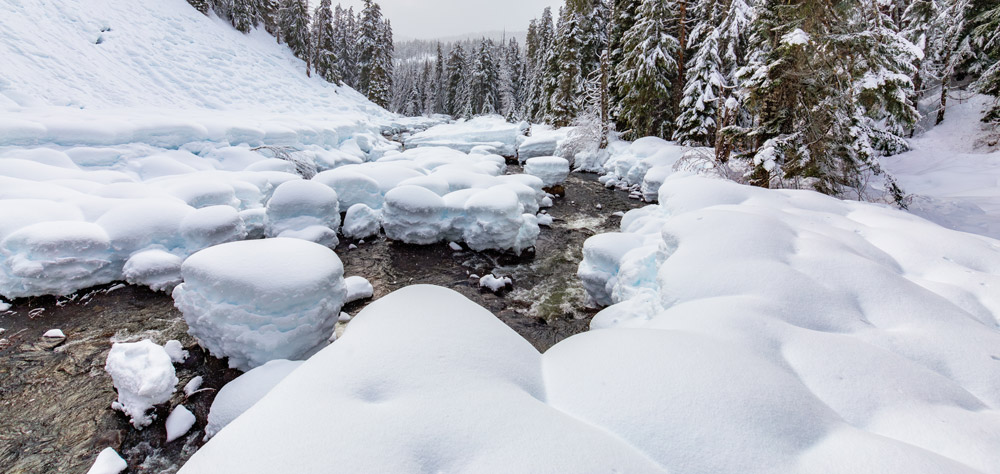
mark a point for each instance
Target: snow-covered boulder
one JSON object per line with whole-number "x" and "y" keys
{"x": 305, "y": 210}
{"x": 55, "y": 258}
{"x": 494, "y": 219}
{"x": 212, "y": 225}
{"x": 552, "y": 170}
{"x": 361, "y": 221}
{"x": 158, "y": 269}
{"x": 358, "y": 288}
{"x": 143, "y": 375}
{"x": 414, "y": 215}
{"x": 544, "y": 141}
{"x": 260, "y": 300}
{"x": 352, "y": 187}
{"x": 627, "y": 165}
{"x": 602, "y": 258}
{"x": 244, "y": 391}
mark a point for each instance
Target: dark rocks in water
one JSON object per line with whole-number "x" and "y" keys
{"x": 557, "y": 190}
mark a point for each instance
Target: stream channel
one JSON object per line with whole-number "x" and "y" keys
{"x": 55, "y": 396}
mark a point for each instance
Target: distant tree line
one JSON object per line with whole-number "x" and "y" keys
{"x": 338, "y": 45}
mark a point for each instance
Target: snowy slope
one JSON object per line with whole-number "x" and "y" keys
{"x": 953, "y": 175}
{"x": 157, "y": 71}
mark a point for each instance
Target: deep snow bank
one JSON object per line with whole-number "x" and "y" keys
{"x": 756, "y": 331}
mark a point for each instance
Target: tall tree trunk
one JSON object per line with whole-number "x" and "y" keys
{"x": 944, "y": 99}
{"x": 605, "y": 103}
{"x": 682, "y": 41}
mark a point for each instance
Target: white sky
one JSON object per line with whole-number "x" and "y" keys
{"x": 429, "y": 19}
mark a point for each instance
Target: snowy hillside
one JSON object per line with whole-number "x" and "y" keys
{"x": 126, "y": 71}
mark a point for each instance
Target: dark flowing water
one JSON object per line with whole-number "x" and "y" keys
{"x": 55, "y": 396}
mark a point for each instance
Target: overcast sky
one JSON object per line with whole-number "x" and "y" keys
{"x": 428, "y": 19}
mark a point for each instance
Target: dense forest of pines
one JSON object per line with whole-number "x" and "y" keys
{"x": 804, "y": 93}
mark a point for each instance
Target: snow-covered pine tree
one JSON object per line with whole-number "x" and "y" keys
{"x": 622, "y": 19}
{"x": 345, "y": 42}
{"x": 734, "y": 33}
{"x": 594, "y": 17}
{"x": 200, "y": 5}
{"x": 954, "y": 47}
{"x": 512, "y": 96}
{"x": 440, "y": 83}
{"x": 456, "y": 79}
{"x": 245, "y": 14}
{"x": 646, "y": 71}
{"x": 532, "y": 87}
{"x": 566, "y": 100}
{"x": 293, "y": 21}
{"x": 269, "y": 16}
{"x": 324, "y": 43}
{"x": 547, "y": 68}
{"x": 705, "y": 83}
{"x": 222, "y": 8}
{"x": 918, "y": 26}
{"x": 374, "y": 55}
{"x": 428, "y": 89}
{"x": 484, "y": 78}
{"x": 987, "y": 38}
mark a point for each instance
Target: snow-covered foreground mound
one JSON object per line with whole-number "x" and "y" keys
{"x": 757, "y": 331}
{"x": 953, "y": 177}
{"x": 260, "y": 300}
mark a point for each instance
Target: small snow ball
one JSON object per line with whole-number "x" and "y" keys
{"x": 108, "y": 462}
{"x": 144, "y": 376}
{"x": 258, "y": 300}
{"x": 361, "y": 221}
{"x": 551, "y": 169}
{"x": 358, "y": 288}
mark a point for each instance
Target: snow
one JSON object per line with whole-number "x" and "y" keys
{"x": 628, "y": 164}
{"x": 304, "y": 209}
{"x": 179, "y": 422}
{"x": 415, "y": 215}
{"x": 544, "y": 141}
{"x": 361, "y": 221}
{"x": 54, "y": 334}
{"x": 176, "y": 351}
{"x": 258, "y": 300}
{"x": 493, "y": 131}
{"x": 494, "y": 283}
{"x": 358, "y": 288}
{"x": 951, "y": 177}
{"x": 108, "y": 462}
{"x": 158, "y": 269}
{"x": 551, "y": 170}
{"x": 55, "y": 258}
{"x": 4, "y": 306}
{"x": 243, "y": 392}
{"x": 193, "y": 385}
{"x": 753, "y": 330}
{"x": 796, "y": 37}
{"x": 144, "y": 376}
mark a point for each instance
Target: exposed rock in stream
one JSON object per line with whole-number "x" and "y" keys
{"x": 55, "y": 396}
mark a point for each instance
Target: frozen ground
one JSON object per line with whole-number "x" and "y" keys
{"x": 953, "y": 172}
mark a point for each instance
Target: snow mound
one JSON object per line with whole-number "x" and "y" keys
{"x": 544, "y": 141}
{"x": 304, "y": 209}
{"x": 627, "y": 163}
{"x": 755, "y": 331}
{"x": 108, "y": 462}
{"x": 361, "y": 221}
{"x": 56, "y": 258}
{"x": 551, "y": 170}
{"x": 260, "y": 300}
{"x": 157, "y": 269}
{"x": 144, "y": 376}
{"x": 244, "y": 391}
{"x": 491, "y": 131}
{"x": 358, "y": 288}
{"x": 179, "y": 422}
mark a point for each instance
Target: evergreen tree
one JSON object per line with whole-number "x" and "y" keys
{"x": 566, "y": 100}
{"x": 440, "y": 84}
{"x": 511, "y": 81}
{"x": 456, "y": 76}
{"x": 245, "y": 14}
{"x": 200, "y": 5}
{"x": 269, "y": 16}
{"x": 345, "y": 45}
{"x": 646, "y": 71}
{"x": 623, "y": 14}
{"x": 324, "y": 44}
{"x": 484, "y": 76}
{"x": 222, "y": 8}
{"x": 987, "y": 38}
{"x": 696, "y": 124}
{"x": 918, "y": 21}
{"x": 293, "y": 21}
{"x": 374, "y": 55}
{"x": 954, "y": 48}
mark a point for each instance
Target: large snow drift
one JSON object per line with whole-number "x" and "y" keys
{"x": 756, "y": 331}
{"x": 259, "y": 300}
